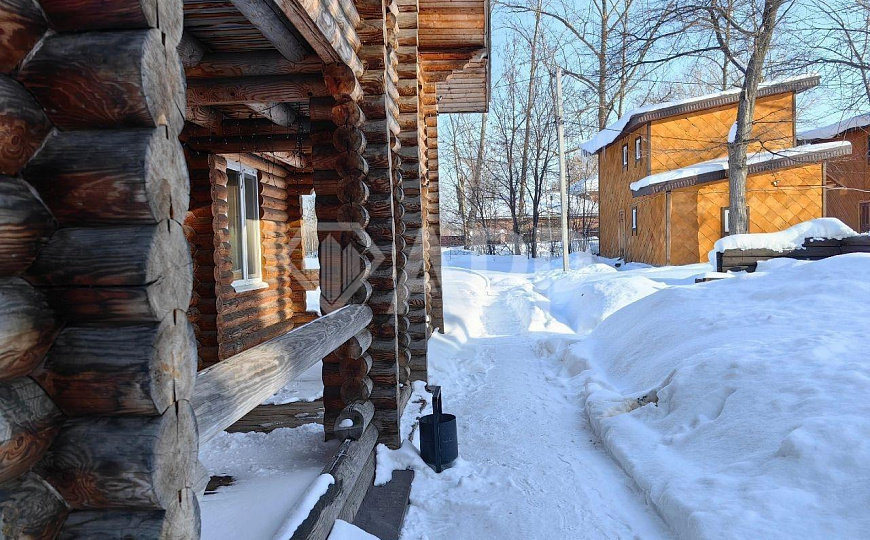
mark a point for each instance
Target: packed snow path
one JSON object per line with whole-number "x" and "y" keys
{"x": 530, "y": 466}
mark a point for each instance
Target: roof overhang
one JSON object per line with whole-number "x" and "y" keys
{"x": 774, "y": 164}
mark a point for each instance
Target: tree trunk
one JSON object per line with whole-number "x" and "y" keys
{"x": 737, "y": 150}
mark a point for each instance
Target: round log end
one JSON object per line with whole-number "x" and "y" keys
{"x": 23, "y": 24}
{"x": 23, "y": 126}
{"x": 140, "y": 369}
{"x": 25, "y": 225}
{"x": 29, "y": 422}
{"x": 31, "y": 508}
{"x": 27, "y": 328}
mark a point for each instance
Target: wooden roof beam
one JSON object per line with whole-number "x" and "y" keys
{"x": 250, "y": 64}
{"x": 279, "y": 113}
{"x": 329, "y": 26}
{"x": 254, "y": 90}
{"x": 275, "y": 25}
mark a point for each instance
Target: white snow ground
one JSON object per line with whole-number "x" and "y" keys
{"x": 637, "y": 404}
{"x": 616, "y": 404}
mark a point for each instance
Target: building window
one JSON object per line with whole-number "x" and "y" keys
{"x": 864, "y": 210}
{"x": 634, "y": 220}
{"x": 244, "y": 227}
{"x": 868, "y": 148}
{"x": 625, "y": 156}
{"x": 726, "y": 220}
{"x": 638, "y": 149}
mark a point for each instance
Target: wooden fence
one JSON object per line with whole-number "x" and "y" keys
{"x": 735, "y": 260}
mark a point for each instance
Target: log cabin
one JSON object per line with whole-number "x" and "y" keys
{"x": 154, "y": 156}
{"x": 847, "y": 180}
{"x": 663, "y": 174}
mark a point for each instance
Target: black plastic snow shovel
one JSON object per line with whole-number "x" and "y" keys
{"x": 439, "y": 445}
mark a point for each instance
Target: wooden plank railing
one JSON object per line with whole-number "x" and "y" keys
{"x": 230, "y": 389}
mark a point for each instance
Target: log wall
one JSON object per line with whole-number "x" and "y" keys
{"x": 389, "y": 351}
{"x": 102, "y": 440}
{"x": 413, "y": 145}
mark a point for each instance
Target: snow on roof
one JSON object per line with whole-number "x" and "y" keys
{"x": 721, "y": 164}
{"x": 585, "y": 186}
{"x": 614, "y": 130}
{"x": 787, "y": 240}
{"x": 835, "y": 129}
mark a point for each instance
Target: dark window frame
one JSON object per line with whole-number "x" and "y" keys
{"x": 638, "y": 149}
{"x": 635, "y": 225}
{"x": 625, "y": 156}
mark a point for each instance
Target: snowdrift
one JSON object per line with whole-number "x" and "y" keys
{"x": 740, "y": 406}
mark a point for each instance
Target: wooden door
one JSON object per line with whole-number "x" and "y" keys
{"x": 622, "y": 237}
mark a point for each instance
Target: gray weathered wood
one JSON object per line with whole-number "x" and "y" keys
{"x": 359, "y": 414}
{"x": 112, "y": 177}
{"x": 179, "y": 522}
{"x": 97, "y": 80}
{"x": 274, "y": 26}
{"x": 27, "y": 328}
{"x": 200, "y": 479}
{"x": 123, "y": 462}
{"x": 29, "y": 422}
{"x": 25, "y": 226}
{"x": 279, "y": 113}
{"x": 345, "y": 467}
{"x": 228, "y": 390}
{"x": 31, "y": 509}
{"x": 137, "y": 369}
{"x": 79, "y": 15}
{"x": 118, "y": 274}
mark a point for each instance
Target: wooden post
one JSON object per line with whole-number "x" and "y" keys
{"x": 342, "y": 219}
{"x": 389, "y": 361}
{"x": 412, "y": 146}
{"x": 116, "y": 277}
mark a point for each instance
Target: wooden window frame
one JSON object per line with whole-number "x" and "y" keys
{"x": 638, "y": 149}
{"x": 864, "y": 206}
{"x": 625, "y": 156}
{"x": 634, "y": 220}
{"x": 250, "y": 280}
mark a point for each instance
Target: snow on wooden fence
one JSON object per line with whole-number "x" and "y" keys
{"x": 732, "y": 260}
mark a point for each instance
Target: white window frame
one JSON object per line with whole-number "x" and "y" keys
{"x": 638, "y": 149}
{"x": 247, "y": 283}
{"x": 726, "y": 221}
{"x": 634, "y": 220}
{"x": 625, "y": 156}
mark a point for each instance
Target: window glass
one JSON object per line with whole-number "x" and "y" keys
{"x": 624, "y": 155}
{"x": 634, "y": 218}
{"x": 252, "y": 228}
{"x": 637, "y": 149}
{"x": 235, "y": 225}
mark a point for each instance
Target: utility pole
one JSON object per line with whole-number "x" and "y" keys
{"x": 563, "y": 189}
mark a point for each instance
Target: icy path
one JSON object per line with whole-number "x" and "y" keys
{"x": 530, "y": 467}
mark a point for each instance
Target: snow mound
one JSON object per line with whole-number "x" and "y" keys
{"x": 740, "y": 406}
{"x": 583, "y": 298}
{"x": 787, "y": 240}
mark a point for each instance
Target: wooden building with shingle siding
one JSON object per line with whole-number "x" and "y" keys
{"x": 847, "y": 194}
{"x": 663, "y": 174}
{"x": 153, "y": 159}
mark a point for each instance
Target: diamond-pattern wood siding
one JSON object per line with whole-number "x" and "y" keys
{"x": 849, "y": 180}
{"x": 696, "y": 212}
{"x": 685, "y": 140}
{"x": 615, "y": 194}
